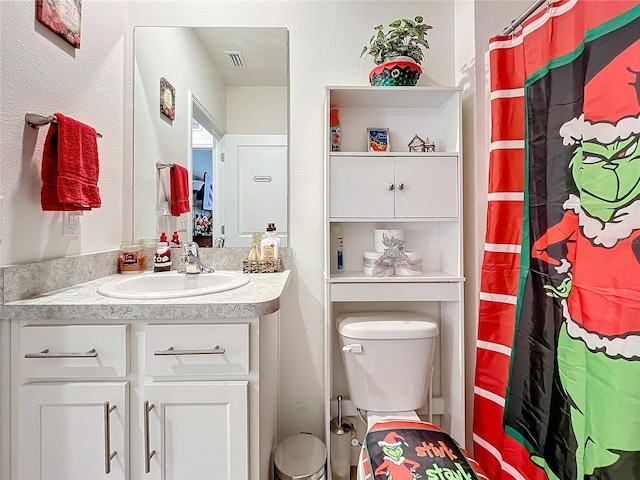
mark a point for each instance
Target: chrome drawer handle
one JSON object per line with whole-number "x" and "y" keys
{"x": 108, "y": 454}
{"x": 148, "y": 453}
{"x": 172, "y": 351}
{"x": 46, "y": 354}
{"x": 401, "y": 186}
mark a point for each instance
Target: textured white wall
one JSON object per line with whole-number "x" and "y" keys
{"x": 43, "y": 74}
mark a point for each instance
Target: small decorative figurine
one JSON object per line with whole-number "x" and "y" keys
{"x": 429, "y": 146}
{"x": 417, "y": 144}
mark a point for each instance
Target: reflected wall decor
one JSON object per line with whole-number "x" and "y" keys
{"x": 167, "y": 99}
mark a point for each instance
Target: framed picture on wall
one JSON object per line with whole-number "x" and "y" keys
{"x": 167, "y": 99}
{"x": 62, "y": 17}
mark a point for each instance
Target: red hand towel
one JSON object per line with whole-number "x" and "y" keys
{"x": 179, "y": 190}
{"x": 70, "y": 167}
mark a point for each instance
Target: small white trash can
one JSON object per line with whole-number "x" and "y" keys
{"x": 300, "y": 457}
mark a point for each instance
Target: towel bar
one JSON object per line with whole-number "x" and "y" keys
{"x": 161, "y": 165}
{"x": 35, "y": 120}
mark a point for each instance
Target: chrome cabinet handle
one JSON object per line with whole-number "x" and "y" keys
{"x": 172, "y": 351}
{"x": 401, "y": 186}
{"x": 148, "y": 453}
{"x": 108, "y": 454}
{"x": 46, "y": 354}
{"x": 390, "y": 186}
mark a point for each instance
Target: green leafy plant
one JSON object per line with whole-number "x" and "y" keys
{"x": 405, "y": 38}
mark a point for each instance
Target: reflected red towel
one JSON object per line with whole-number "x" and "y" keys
{"x": 70, "y": 167}
{"x": 179, "y": 190}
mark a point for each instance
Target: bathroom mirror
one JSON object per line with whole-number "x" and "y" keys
{"x": 227, "y": 89}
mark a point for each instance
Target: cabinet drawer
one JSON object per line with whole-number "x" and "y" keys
{"x": 178, "y": 350}
{"x": 73, "y": 351}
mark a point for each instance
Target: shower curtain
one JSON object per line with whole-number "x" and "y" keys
{"x": 557, "y": 387}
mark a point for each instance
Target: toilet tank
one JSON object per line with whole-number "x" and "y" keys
{"x": 388, "y": 358}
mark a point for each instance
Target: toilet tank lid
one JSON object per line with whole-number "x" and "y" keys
{"x": 386, "y": 325}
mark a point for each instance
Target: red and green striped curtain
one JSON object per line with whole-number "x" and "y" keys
{"x": 557, "y": 386}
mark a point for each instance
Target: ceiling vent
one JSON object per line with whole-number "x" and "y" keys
{"x": 236, "y": 60}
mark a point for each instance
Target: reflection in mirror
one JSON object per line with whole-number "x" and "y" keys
{"x": 229, "y": 132}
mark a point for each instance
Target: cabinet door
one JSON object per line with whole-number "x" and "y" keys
{"x": 71, "y": 431}
{"x": 198, "y": 430}
{"x": 426, "y": 186}
{"x": 358, "y": 186}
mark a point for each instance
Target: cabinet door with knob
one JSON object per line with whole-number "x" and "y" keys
{"x": 195, "y": 430}
{"x": 374, "y": 186}
{"x": 426, "y": 186}
{"x": 72, "y": 431}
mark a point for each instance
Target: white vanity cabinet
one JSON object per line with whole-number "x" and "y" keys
{"x": 144, "y": 399}
{"x": 417, "y": 192}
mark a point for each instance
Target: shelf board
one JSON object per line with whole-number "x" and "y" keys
{"x": 394, "y": 154}
{"x": 391, "y": 97}
{"x": 433, "y": 276}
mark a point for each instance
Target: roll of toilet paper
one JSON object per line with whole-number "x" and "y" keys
{"x": 377, "y": 239}
{"x": 397, "y": 234}
{"x": 378, "y": 234}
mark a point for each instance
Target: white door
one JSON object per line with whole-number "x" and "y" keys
{"x": 361, "y": 186}
{"x": 426, "y": 187}
{"x": 198, "y": 430}
{"x": 255, "y": 187}
{"x": 72, "y": 431}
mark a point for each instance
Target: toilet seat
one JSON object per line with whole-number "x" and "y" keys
{"x": 400, "y": 447}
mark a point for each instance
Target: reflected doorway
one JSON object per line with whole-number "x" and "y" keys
{"x": 207, "y": 172}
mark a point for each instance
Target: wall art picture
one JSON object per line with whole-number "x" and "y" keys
{"x": 167, "y": 99}
{"x": 378, "y": 139}
{"x": 62, "y": 17}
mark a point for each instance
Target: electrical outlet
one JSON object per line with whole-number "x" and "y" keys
{"x": 71, "y": 224}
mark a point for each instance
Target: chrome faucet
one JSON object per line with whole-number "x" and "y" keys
{"x": 191, "y": 260}
{"x": 218, "y": 242}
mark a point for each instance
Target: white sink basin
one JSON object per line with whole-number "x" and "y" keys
{"x": 149, "y": 286}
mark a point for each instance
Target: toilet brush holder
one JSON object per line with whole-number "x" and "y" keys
{"x": 340, "y": 446}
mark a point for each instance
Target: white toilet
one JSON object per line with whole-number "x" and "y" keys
{"x": 388, "y": 358}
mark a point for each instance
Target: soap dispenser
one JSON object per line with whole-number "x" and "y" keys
{"x": 270, "y": 244}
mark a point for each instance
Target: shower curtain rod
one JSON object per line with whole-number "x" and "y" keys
{"x": 518, "y": 21}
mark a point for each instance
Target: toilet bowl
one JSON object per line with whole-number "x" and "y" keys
{"x": 388, "y": 358}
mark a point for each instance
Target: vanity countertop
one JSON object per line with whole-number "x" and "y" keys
{"x": 261, "y": 296}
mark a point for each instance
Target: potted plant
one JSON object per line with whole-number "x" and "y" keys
{"x": 398, "y": 53}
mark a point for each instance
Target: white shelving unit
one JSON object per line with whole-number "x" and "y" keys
{"x": 420, "y": 193}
